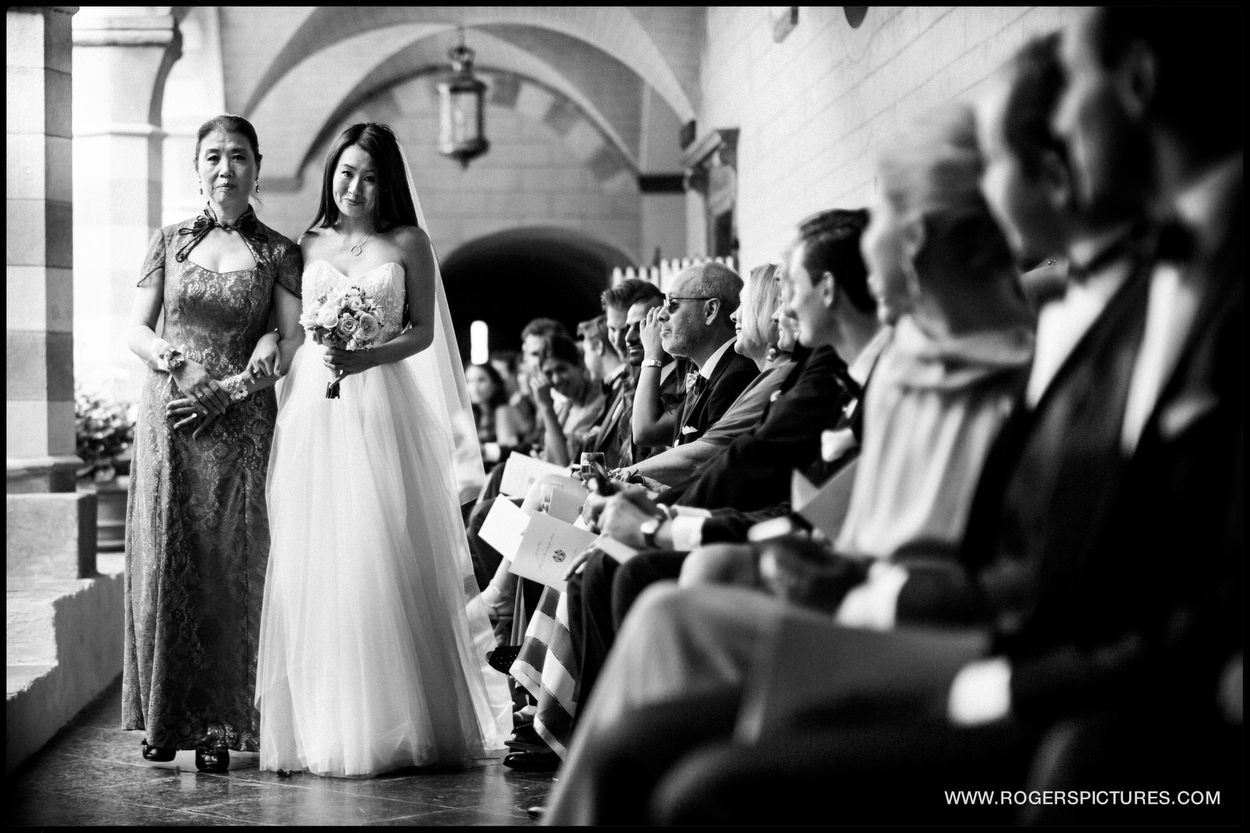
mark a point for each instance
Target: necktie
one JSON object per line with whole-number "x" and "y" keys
{"x": 247, "y": 227}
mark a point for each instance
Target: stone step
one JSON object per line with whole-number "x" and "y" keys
{"x": 64, "y": 647}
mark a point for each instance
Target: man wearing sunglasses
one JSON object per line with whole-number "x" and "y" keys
{"x": 694, "y": 323}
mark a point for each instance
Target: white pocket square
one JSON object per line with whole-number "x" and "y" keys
{"x": 688, "y": 429}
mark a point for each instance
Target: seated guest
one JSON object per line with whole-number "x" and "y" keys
{"x": 496, "y": 420}
{"x": 603, "y": 365}
{"x": 1105, "y": 571}
{"x": 656, "y": 405}
{"x": 611, "y": 435}
{"x": 532, "y": 338}
{"x": 757, "y": 337}
{"x": 695, "y": 325}
{"x": 561, "y": 369}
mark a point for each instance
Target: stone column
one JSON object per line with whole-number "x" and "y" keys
{"x": 122, "y": 57}
{"x": 50, "y": 527}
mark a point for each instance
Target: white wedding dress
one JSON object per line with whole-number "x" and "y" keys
{"x": 369, "y": 660}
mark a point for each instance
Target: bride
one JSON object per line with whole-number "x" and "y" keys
{"x": 371, "y": 654}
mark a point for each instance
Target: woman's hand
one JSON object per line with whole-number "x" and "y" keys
{"x": 186, "y": 412}
{"x": 344, "y": 362}
{"x": 649, "y": 334}
{"x": 540, "y": 390}
{"x": 266, "y": 360}
{"x": 194, "y": 382}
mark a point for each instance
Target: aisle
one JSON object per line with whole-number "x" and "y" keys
{"x": 91, "y": 774}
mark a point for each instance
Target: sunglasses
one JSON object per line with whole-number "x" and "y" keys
{"x": 672, "y": 302}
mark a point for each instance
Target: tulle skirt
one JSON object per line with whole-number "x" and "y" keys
{"x": 371, "y": 648}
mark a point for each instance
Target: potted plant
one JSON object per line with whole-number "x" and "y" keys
{"x": 105, "y": 434}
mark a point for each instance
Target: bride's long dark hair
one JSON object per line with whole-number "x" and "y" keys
{"x": 394, "y": 206}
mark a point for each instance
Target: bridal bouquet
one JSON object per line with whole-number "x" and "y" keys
{"x": 347, "y": 318}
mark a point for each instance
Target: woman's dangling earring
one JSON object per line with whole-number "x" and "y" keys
{"x": 258, "y": 185}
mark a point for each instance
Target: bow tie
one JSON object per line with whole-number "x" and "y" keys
{"x": 853, "y": 388}
{"x": 247, "y": 227}
{"x": 1176, "y": 243}
{"x": 1079, "y": 272}
{"x": 695, "y": 383}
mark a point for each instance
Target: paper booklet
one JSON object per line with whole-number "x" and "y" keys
{"x": 566, "y": 501}
{"x": 504, "y": 526}
{"x": 824, "y": 507}
{"x": 520, "y": 471}
{"x": 545, "y": 549}
{"x": 539, "y": 546}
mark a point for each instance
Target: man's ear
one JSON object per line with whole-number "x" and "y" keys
{"x": 828, "y": 288}
{"x": 1137, "y": 80}
{"x": 712, "y": 310}
{"x": 1055, "y": 179}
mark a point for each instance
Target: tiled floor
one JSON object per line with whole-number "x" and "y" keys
{"x": 92, "y": 774}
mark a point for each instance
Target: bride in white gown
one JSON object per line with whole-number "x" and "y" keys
{"x": 371, "y": 652}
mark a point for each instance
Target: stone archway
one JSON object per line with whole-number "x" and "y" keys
{"x": 510, "y": 277}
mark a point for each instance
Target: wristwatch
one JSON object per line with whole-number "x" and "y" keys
{"x": 649, "y": 528}
{"x": 652, "y": 363}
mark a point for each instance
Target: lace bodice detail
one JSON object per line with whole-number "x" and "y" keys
{"x": 384, "y": 284}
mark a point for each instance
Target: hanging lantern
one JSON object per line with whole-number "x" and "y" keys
{"x": 461, "y": 107}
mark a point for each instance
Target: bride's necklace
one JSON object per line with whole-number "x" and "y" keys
{"x": 359, "y": 247}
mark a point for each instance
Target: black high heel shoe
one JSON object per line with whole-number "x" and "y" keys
{"x": 212, "y": 758}
{"x": 156, "y": 753}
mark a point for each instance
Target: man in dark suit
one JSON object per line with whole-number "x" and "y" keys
{"x": 1105, "y": 550}
{"x": 695, "y": 325}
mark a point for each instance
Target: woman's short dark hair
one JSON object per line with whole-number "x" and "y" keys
{"x": 562, "y": 348}
{"x": 394, "y": 206}
{"x": 227, "y": 123}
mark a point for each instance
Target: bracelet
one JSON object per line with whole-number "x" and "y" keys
{"x": 652, "y": 363}
{"x": 235, "y": 386}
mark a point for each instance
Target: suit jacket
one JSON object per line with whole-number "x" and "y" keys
{"x": 733, "y": 372}
{"x": 606, "y": 436}
{"x": 1114, "y": 581}
{"x": 753, "y": 472}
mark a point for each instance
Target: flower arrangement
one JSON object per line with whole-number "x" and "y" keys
{"x": 105, "y": 432}
{"x": 347, "y": 318}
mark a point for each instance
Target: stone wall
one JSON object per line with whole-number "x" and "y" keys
{"x": 813, "y": 109}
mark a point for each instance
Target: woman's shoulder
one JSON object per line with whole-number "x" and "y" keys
{"x": 408, "y": 236}
{"x": 171, "y": 230}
